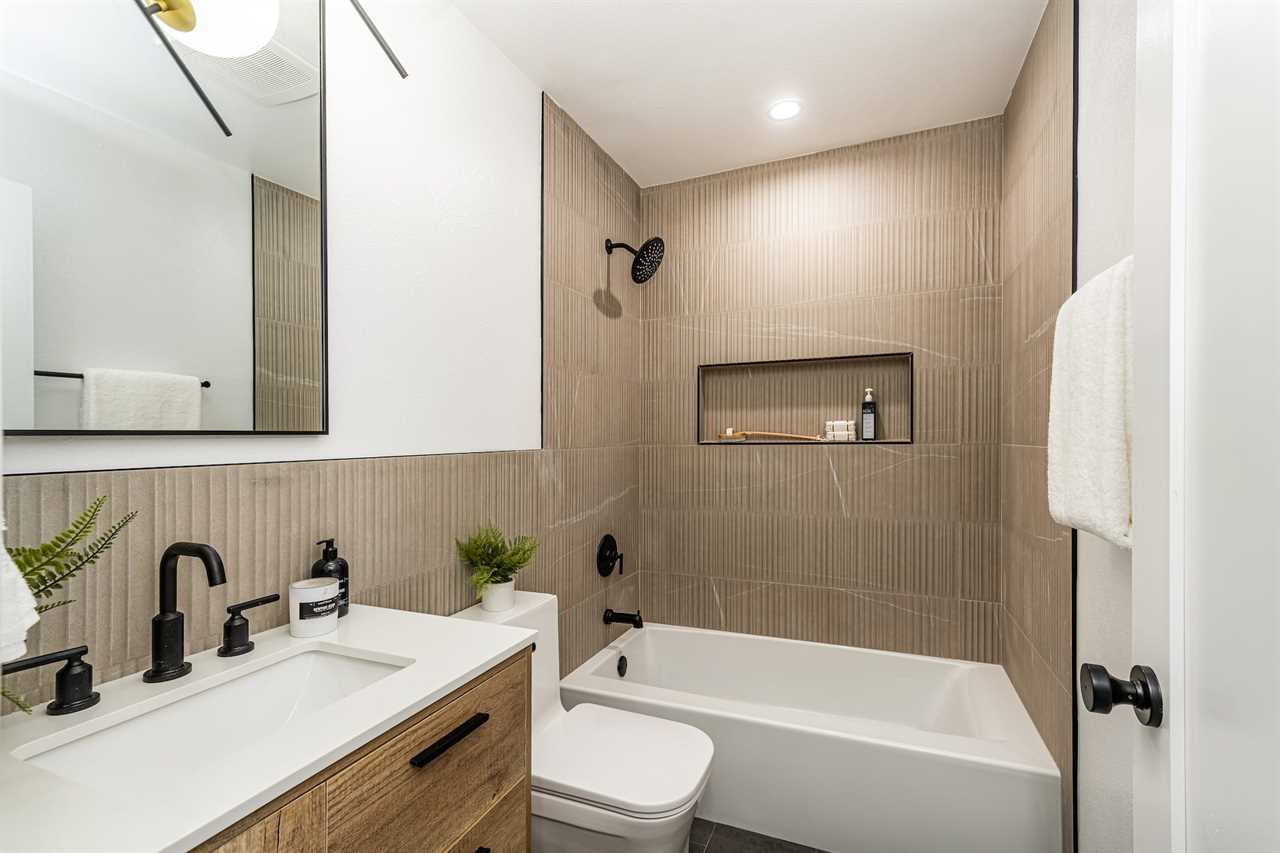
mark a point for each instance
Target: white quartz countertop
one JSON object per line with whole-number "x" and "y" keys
{"x": 161, "y": 800}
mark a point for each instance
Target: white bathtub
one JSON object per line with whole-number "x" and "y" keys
{"x": 844, "y": 749}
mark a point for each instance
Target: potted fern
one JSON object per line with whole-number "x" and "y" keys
{"x": 493, "y": 563}
{"x": 47, "y": 568}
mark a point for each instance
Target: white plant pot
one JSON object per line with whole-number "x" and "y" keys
{"x": 498, "y": 596}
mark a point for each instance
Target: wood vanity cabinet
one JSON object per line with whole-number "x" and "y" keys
{"x": 453, "y": 778}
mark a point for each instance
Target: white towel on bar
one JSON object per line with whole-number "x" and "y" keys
{"x": 139, "y": 399}
{"x": 17, "y": 607}
{"x": 1090, "y": 409}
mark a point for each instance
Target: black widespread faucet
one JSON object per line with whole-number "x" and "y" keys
{"x": 167, "y": 658}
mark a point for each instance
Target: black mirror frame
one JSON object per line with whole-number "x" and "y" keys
{"x": 324, "y": 304}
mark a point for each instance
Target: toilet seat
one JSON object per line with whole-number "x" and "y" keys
{"x": 636, "y": 766}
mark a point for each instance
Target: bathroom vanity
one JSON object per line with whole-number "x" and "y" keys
{"x": 472, "y": 794}
{"x": 398, "y": 731}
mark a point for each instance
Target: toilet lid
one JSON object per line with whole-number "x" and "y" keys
{"x": 631, "y": 763}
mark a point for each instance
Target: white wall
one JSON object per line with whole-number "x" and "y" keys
{"x": 116, "y": 210}
{"x": 1105, "y": 235}
{"x": 16, "y": 302}
{"x": 434, "y": 257}
{"x": 1231, "y": 637}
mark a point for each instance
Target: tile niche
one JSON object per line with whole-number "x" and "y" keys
{"x": 798, "y": 396}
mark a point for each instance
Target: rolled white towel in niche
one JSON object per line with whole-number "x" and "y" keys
{"x": 1090, "y": 409}
{"x": 140, "y": 400}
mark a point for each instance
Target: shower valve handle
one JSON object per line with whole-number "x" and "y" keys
{"x": 608, "y": 555}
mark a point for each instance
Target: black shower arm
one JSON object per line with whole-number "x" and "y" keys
{"x": 610, "y": 245}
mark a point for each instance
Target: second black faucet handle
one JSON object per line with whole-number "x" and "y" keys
{"x": 235, "y": 631}
{"x": 73, "y": 683}
{"x": 236, "y": 609}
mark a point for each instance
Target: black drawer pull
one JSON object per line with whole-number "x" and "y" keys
{"x": 483, "y": 850}
{"x": 440, "y": 747}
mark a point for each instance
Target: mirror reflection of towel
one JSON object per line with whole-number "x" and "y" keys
{"x": 139, "y": 399}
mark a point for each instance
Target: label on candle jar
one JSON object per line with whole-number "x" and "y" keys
{"x": 317, "y": 609}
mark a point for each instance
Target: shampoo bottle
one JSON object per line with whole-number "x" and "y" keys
{"x": 869, "y": 418}
{"x": 330, "y": 565}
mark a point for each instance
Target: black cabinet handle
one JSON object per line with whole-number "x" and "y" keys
{"x": 440, "y": 747}
{"x": 483, "y": 850}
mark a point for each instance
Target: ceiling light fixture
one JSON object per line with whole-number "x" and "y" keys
{"x": 235, "y": 28}
{"x": 785, "y": 110}
{"x": 222, "y": 28}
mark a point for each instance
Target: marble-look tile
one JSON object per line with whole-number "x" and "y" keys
{"x": 1036, "y": 248}
{"x": 893, "y": 246}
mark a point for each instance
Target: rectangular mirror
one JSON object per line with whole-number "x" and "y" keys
{"x": 159, "y": 275}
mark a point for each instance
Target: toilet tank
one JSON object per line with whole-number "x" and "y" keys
{"x": 538, "y": 611}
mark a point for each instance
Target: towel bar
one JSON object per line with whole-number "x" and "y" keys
{"x": 62, "y": 374}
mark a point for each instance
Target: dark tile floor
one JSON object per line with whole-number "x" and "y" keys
{"x": 708, "y": 837}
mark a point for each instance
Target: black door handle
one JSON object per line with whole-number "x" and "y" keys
{"x": 440, "y": 747}
{"x": 1101, "y": 692}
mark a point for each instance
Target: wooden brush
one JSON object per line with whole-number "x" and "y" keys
{"x": 730, "y": 434}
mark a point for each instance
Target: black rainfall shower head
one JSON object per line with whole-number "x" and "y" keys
{"x": 647, "y": 259}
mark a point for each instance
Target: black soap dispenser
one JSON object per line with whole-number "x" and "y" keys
{"x": 330, "y": 565}
{"x": 870, "y": 428}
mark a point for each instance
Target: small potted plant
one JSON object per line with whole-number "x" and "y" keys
{"x": 493, "y": 563}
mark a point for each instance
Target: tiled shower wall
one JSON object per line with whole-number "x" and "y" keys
{"x": 890, "y": 246}
{"x": 1036, "y": 235}
{"x": 395, "y": 519}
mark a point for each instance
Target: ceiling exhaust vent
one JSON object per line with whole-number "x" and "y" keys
{"x": 274, "y": 75}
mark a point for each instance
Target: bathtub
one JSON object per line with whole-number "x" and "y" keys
{"x": 844, "y": 749}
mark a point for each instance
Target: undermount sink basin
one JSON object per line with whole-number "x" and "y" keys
{"x": 222, "y": 719}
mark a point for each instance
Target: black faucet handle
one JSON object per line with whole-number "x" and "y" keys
{"x": 236, "y": 609}
{"x": 235, "y": 631}
{"x": 73, "y": 683}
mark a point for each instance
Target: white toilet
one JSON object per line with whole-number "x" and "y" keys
{"x": 604, "y": 780}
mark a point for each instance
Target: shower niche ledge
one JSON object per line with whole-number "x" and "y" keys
{"x": 797, "y": 397}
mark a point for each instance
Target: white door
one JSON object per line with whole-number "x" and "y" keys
{"x": 1206, "y": 558}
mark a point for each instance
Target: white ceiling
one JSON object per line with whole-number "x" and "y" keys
{"x": 673, "y": 89}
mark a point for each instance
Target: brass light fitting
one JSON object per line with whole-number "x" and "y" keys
{"x": 178, "y": 15}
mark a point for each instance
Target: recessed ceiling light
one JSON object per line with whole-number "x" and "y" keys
{"x": 785, "y": 110}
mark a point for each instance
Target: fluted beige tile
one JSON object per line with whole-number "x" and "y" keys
{"x": 1036, "y": 237}
{"x": 592, "y": 335}
{"x": 288, "y": 310}
{"x": 893, "y": 246}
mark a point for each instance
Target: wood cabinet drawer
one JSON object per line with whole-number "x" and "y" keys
{"x": 472, "y": 751}
{"x": 505, "y": 829}
{"x": 299, "y": 827}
